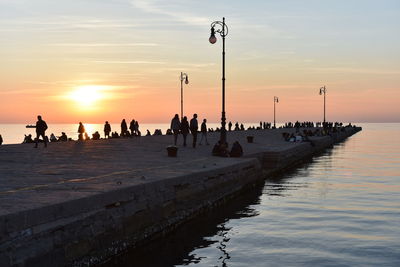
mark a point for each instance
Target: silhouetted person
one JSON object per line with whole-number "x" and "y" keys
{"x": 148, "y": 133}
{"x": 237, "y": 126}
{"x": 241, "y": 127}
{"x": 53, "y": 138}
{"x": 41, "y": 127}
{"x": 1, "y": 140}
{"x": 28, "y": 139}
{"x": 96, "y": 136}
{"x": 63, "y": 137}
{"x": 137, "y": 128}
{"x": 175, "y": 127}
{"x": 203, "y": 130}
{"x": 107, "y": 130}
{"x": 230, "y": 126}
{"x": 237, "y": 150}
{"x": 184, "y": 129}
{"x": 124, "y": 128}
{"x": 81, "y": 131}
{"x": 220, "y": 149}
{"x": 87, "y": 136}
{"x": 194, "y": 127}
{"x": 132, "y": 127}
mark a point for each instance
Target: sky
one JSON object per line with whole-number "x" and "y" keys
{"x": 97, "y": 60}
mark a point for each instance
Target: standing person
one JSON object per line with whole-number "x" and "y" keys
{"x": 194, "y": 127}
{"x": 175, "y": 127}
{"x": 107, "y": 130}
{"x": 124, "y": 128}
{"x": 184, "y": 129}
{"x": 137, "y": 128}
{"x": 203, "y": 129}
{"x": 41, "y": 128}
{"x": 1, "y": 140}
{"x": 81, "y": 131}
{"x": 132, "y": 127}
{"x": 230, "y": 126}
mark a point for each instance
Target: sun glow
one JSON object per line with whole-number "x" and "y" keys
{"x": 88, "y": 95}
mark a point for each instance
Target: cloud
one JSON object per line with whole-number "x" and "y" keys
{"x": 355, "y": 70}
{"x": 161, "y": 9}
{"x": 128, "y": 62}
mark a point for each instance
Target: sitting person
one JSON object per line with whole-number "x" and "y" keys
{"x": 28, "y": 139}
{"x": 237, "y": 150}
{"x": 148, "y": 133}
{"x": 87, "y": 136}
{"x": 169, "y": 132}
{"x": 220, "y": 150}
{"x": 96, "y": 136}
{"x": 63, "y": 137}
{"x": 53, "y": 138}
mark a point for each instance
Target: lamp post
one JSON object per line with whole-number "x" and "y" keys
{"x": 183, "y": 77}
{"x": 223, "y": 31}
{"x": 322, "y": 90}
{"x": 276, "y": 100}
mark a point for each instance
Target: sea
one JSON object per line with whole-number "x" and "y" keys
{"x": 340, "y": 208}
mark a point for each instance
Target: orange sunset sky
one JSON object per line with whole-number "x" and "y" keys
{"x": 93, "y": 61}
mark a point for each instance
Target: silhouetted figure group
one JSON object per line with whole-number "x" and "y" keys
{"x": 184, "y": 127}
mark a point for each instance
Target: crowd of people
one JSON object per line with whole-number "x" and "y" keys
{"x": 184, "y": 127}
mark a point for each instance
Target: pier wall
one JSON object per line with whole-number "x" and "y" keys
{"x": 90, "y": 229}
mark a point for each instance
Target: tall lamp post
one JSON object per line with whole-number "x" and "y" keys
{"x": 183, "y": 77}
{"x": 276, "y": 100}
{"x": 322, "y": 90}
{"x": 223, "y": 31}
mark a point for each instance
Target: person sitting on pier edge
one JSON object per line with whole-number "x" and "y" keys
{"x": 107, "y": 130}
{"x": 53, "y": 138}
{"x": 87, "y": 136}
{"x": 124, "y": 128}
{"x": 184, "y": 129}
{"x": 81, "y": 131}
{"x": 96, "y": 136}
{"x": 168, "y": 132}
{"x": 194, "y": 127}
{"x": 203, "y": 129}
{"x": 41, "y": 128}
{"x": 148, "y": 133}
{"x": 175, "y": 127}
{"x": 230, "y": 126}
{"x": 63, "y": 137}
{"x": 237, "y": 150}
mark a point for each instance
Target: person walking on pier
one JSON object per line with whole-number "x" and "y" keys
{"x": 107, "y": 130}
{"x": 132, "y": 127}
{"x": 194, "y": 127}
{"x": 175, "y": 127}
{"x": 184, "y": 129}
{"x": 203, "y": 130}
{"x": 41, "y": 128}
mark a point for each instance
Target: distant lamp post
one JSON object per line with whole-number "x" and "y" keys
{"x": 276, "y": 100}
{"x": 322, "y": 90}
{"x": 183, "y": 77}
{"x": 223, "y": 31}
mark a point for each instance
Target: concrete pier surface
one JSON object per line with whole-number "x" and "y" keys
{"x": 78, "y": 203}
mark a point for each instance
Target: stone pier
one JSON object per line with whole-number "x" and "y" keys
{"x": 78, "y": 203}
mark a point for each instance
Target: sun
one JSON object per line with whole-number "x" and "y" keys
{"x": 87, "y": 95}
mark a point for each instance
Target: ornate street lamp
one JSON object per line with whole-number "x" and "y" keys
{"x": 183, "y": 77}
{"x": 322, "y": 90}
{"x": 223, "y": 31}
{"x": 276, "y": 100}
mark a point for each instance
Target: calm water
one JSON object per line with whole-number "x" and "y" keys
{"x": 340, "y": 209}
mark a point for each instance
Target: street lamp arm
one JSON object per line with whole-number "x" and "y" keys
{"x": 223, "y": 30}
